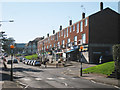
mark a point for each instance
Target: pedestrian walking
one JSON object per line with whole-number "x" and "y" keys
{"x": 5, "y": 66}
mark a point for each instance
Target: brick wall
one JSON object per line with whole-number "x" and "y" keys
{"x": 70, "y": 35}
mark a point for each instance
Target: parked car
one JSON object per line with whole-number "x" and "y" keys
{"x": 105, "y": 58}
{"x": 32, "y": 61}
{"x": 29, "y": 62}
{"x": 9, "y": 61}
{"x": 15, "y": 61}
{"x": 37, "y": 63}
{"x": 26, "y": 61}
{"x": 21, "y": 59}
{"x": 5, "y": 54}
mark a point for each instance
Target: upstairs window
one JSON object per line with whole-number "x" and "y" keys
{"x": 64, "y": 33}
{"x": 68, "y": 41}
{"x": 59, "y": 34}
{"x": 51, "y": 37}
{"x": 86, "y": 21}
{"x": 75, "y": 40}
{"x": 70, "y": 29}
{"x": 73, "y": 27}
{"x": 83, "y": 38}
{"x": 67, "y": 32}
{"x": 81, "y": 26}
{"x": 77, "y": 27}
{"x": 63, "y": 42}
{"x": 54, "y": 44}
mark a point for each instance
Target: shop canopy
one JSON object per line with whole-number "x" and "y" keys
{"x": 70, "y": 50}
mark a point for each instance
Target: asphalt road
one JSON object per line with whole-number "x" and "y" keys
{"x": 39, "y": 77}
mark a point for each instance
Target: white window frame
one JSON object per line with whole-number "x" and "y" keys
{"x": 83, "y": 38}
{"x": 59, "y": 34}
{"x": 73, "y": 27}
{"x": 64, "y": 33}
{"x": 70, "y": 29}
{"x": 67, "y": 32}
{"x": 54, "y": 44}
{"x": 86, "y": 21}
{"x": 77, "y": 27}
{"x": 81, "y": 26}
{"x": 63, "y": 42}
{"x": 75, "y": 39}
{"x": 68, "y": 40}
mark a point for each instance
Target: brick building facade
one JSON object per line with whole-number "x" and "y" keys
{"x": 97, "y": 32}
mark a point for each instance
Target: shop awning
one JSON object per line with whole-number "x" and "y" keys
{"x": 70, "y": 50}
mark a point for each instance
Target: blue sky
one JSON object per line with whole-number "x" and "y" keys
{"x": 36, "y": 19}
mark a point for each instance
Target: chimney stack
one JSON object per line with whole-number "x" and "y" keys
{"x": 43, "y": 37}
{"x": 60, "y": 27}
{"x": 83, "y": 15}
{"x": 48, "y": 35}
{"x": 53, "y": 31}
{"x": 70, "y": 22}
{"x": 101, "y": 6}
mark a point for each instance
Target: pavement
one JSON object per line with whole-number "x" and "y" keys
{"x": 95, "y": 78}
{"x": 5, "y": 83}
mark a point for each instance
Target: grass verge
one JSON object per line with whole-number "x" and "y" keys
{"x": 105, "y": 68}
{"x": 34, "y": 56}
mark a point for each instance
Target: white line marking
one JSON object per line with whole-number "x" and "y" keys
{"x": 38, "y": 78}
{"x": 65, "y": 84}
{"x": 27, "y": 86}
{"x": 93, "y": 81}
{"x": 117, "y": 87}
{"x": 27, "y": 79}
{"x": 61, "y": 78}
{"x": 50, "y": 78}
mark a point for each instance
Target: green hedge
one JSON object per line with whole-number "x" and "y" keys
{"x": 116, "y": 56}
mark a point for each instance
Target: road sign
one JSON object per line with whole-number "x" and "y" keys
{"x": 83, "y": 48}
{"x": 11, "y": 46}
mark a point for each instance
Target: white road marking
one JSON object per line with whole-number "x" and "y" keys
{"x": 50, "y": 78}
{"x": 93, "y": 81}
{"x": 73, "y": 78}
{"x": 27, "y": 79}
{"x": 65, "y": 84}
{"x": 61, "y": 78}
{"x": 27, "y": 86}
{"x": 117, "y": 87}
{"x": 38, "y": 78}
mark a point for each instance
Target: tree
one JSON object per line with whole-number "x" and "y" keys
{"x": 6, "y": 44}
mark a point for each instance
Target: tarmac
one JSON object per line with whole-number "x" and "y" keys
{"x": 6, "y": 84}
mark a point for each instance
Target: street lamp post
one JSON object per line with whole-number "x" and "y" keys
{"x": 11, "y": 76}
{"x": 81, "y": 49}
{"x": 8, "y": 21}
{"x": 3, "y": 32}
{"x": 43, "y": 50}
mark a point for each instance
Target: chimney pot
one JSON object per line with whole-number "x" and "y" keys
{"x": 43, "y": 37}
{"x": 83, "y": 15}
{"x": 70, "y": 22}
{"x": 48, "y": 35}
{"x": 53, "y": 31}
{"x": 101, "y": 6}
{"x": 60, "y": 27}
